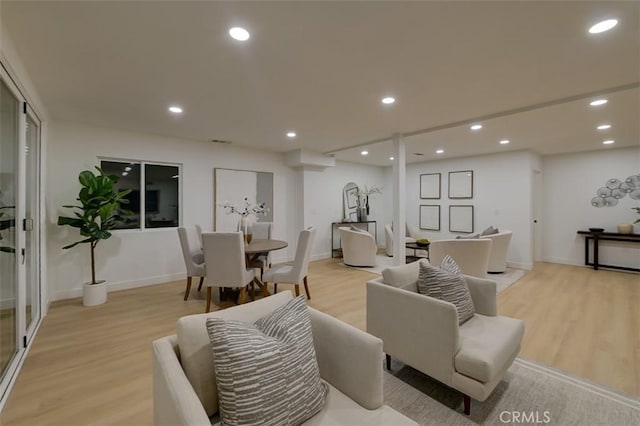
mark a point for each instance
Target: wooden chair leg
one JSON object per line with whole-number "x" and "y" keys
{"x": 200, "y": 285}
{"x": 261, "y": 272}
{"x": 388, "y": 357}
{"x": 243, "y": 294}
{"x": 186, "y": 293}
{"x": 275, "y": 288}
{"x": 306, "y": 288}
{"x": 252, "y": 284}
{"x": 297, "y": 290}
{"x": 208, "y": 299}
{"x": 467, "y": 404}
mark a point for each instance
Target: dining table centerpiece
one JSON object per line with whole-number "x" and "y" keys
{"x": 246, "y": 212}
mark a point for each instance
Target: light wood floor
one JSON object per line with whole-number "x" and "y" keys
{"x": 93, "y": 365}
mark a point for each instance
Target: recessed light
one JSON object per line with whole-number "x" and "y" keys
{"x": 388, "y": 100}
{"x": 127, "y": 169}
{"x": 440, "y": 151}
{"x": 391, "y": 158}
{"x": 603, "y": 26}
{"x": 476, "y": 127}
{"x": 124, "y": 173}
{"x": 291, "y": 135}
{"x": 239, "y": 34}
{"x": 604, "y": 127}
{"x": 609, "y": 142}
{"x": 175, "y": 109}
{"x": 364, "y": 153}
{"x": 504, "y": 141}
{"x": 598, "y": 102}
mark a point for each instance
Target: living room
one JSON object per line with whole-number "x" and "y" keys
{"x": 97, "y": 91}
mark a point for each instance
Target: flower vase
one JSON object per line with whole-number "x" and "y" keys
{"x": 245, "y": 228}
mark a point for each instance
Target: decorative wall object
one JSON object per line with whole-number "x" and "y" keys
{"x": 461, "y": 219}
{"x": 461, "y": 184}
{"x": 350, "y": 201}
{"x": 430, "y": 217}
{"x": 615, "y": 189}
{"x": 430, "y": 186}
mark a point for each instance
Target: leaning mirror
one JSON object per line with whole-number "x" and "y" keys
{"x": 350, "y": 201}
{"x": 233, "y": 186}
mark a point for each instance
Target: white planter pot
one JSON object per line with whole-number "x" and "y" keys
{"x": 94, "y": 294}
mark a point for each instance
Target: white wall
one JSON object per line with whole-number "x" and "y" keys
{"x": 502, "y": 197}
{"x": 570, "y": 182}
{"x": 131, "y": 258}
{"x": 323, "y": 200}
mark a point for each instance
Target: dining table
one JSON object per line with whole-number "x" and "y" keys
{"x": 257, "y": 248}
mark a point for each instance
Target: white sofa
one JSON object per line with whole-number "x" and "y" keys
{"x": 472, "y": 256}
{"x": 184, "y": 388}
{"x": 359, "y": 248}
{"x": 423, "y": 332}
{"x": 499, "y": 250}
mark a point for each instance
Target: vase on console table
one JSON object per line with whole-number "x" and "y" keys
{"x": 625, "y": 228}
{"x": 362, "y": 214}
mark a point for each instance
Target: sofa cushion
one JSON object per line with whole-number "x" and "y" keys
{"x": 195, "y": 349}
{"x": 487, "y": 346}
{"x": 468, "y": 237}
{"x": 403, "y": 275}
{"x": 447, "y": 283}
{"x": 267, "y": 372}
{"x": 339, "y": 409}
{"x": 489, "y": 231}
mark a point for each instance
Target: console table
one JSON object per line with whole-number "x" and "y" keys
{"x": 337, "y": 251}
{"x": 605, "y": 236}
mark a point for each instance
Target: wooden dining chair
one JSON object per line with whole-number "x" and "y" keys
{"x": 193, "y": 257}
{"x": 226, "y": 265}
{"x": 296, "y": 271}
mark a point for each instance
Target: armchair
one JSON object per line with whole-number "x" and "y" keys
{"x": 423, "y": 332}
{"x": 472, "y": 256}
{"x": 499, "y": 250}
{"x": 359, "y": 248}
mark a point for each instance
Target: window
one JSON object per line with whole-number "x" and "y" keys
{"x": 159, "y": 203}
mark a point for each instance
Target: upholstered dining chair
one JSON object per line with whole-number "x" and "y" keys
{"x": 261, "y": 231}
{"x": 226, "y": 264}
{"x": 193, "y": 258}
{"x": 296, "y": 271}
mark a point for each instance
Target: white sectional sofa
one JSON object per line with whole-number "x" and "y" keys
{"x": 350, "y": 362}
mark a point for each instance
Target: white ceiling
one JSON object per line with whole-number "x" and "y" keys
{"x": 320, "y": 68}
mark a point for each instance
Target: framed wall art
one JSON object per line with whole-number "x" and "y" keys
{"x": 461, "y": 184}
{"x": 430, "y": 186}
{"x": 461, "y": 219}
{"x": 430, "y": 217}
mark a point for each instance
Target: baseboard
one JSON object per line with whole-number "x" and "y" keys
{"x": 121, "y": 285}
{"x": 7, "y": 303}
{"x": 520, "y": 265}
{"x": 320, "y": 256}
{"x": 562, "y": 261}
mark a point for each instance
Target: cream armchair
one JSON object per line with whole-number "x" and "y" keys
{"x": 359, "y": 248}
{"x": 472, "y": 256}
{"x": 423, "y": 332}
{"x": 184, "y": 384}
{"x": 499, "y": 251}
{"x": 409, "y": 238}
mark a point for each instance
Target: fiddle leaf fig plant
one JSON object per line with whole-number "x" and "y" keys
{"x": 100, "y": 210}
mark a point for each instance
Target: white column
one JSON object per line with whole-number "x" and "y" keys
{"x": 399, "y": 199}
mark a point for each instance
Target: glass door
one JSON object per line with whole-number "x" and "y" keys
{"x": 9, "y": 142}
{"x": 31, "y": 223}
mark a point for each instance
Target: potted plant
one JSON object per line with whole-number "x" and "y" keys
{"x": 100, "y": 210}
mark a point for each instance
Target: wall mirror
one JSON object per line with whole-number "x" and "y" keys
{"x": 461, "y": 184}
{"x": 430, "y": 218}
{"x": 350, "y": 201}
{"x": 232, "y": 186}
{"x": 430, "y": 186}
{"x": 461, "y": 219}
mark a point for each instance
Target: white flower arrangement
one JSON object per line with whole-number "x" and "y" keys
{"x": 246, "y": 210}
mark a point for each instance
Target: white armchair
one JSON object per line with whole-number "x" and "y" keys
{"x": 423, "y": 332}
{"x": 388, "y": 235}
{"x": 359, "y": 248}
{"x": 499, "y": 251}
{"x": 472, "y": 256}
{"x": 184, "y": 383}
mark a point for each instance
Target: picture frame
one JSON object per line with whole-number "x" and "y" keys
{"x": 430, "y": 217}
{"x": 430, "y": 186}
{"x": 352, "y": 197}
{"x": 461, "y": 219}
{"x": 461, "y": 184}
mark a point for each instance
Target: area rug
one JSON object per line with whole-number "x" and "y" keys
{"x": 528, "y": 394}
{"x": 504, "y": 280}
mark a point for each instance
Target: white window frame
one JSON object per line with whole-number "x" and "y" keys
{"x": 143, "y": 163}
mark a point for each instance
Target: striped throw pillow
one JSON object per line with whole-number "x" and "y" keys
{"x": 267, "y": 372}
{"x": 447, "y": 283}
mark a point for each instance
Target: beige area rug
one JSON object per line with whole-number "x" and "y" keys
{"x": 504, "y": 280}
{"x": 528, "y": 394}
